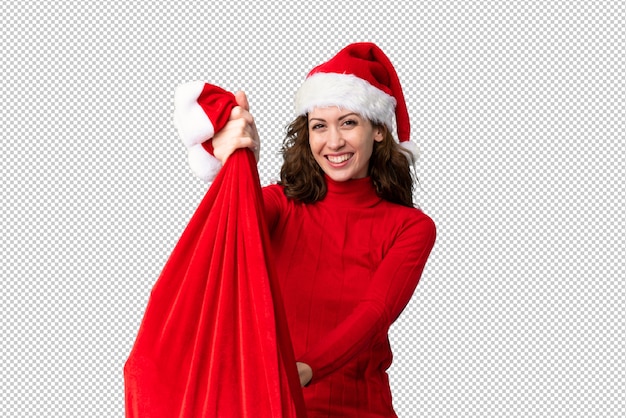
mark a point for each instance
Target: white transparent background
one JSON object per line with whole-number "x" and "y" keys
{"x": 518, "y": 108}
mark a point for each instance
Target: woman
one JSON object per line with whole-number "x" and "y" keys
{"x": 348, "y": 244}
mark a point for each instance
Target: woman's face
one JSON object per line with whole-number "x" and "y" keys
{"x": 342, "y": 142}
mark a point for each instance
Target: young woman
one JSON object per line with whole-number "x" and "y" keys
{"x": 348, "y": 244}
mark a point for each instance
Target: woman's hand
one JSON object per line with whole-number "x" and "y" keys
{"x": 239, "y": 132}
{"x": 305, "y": 372}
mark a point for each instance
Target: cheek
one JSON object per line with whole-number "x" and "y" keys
{"x": 367, "y": 155}
{"x": 367, "y": 148}
{"x": 314, "y": 144}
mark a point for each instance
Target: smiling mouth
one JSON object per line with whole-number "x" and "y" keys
{"x": 337, "y": 159}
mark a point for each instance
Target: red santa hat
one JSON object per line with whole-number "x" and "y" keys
{"x": 360, "y": 78}
{"x": 201, "y": 110}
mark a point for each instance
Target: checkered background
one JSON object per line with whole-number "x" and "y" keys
{"x": 519, "y": 109}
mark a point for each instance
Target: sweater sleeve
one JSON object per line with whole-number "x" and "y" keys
{"x": 389, "y": 292}
{"x": 273, "y": 204}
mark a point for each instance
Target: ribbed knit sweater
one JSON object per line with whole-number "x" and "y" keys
{"x": 347, "y": 266}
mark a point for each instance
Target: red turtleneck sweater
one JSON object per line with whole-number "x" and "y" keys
{"x": 347, "y": 267}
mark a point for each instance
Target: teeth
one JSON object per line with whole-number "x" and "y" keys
{"x": 336, "y": 159}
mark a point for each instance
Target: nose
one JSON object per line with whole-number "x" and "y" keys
{"x": 335, "y": 139}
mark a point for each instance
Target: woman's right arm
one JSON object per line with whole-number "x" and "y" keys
{"x": 239, "y": 132}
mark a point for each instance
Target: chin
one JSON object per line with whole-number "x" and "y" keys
{"x": 340, "y": 176}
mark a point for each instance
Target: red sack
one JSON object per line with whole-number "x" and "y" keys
{"x": 214, "y": 340}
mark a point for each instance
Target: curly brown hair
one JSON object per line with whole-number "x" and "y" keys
{"x": 303, "y": 179}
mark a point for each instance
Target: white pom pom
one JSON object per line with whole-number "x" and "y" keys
{"x": 411, "y": 149}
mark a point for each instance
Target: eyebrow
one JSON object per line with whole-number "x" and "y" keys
{"x": 340, "y": 118}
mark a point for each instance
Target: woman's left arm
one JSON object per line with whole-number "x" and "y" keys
{"x": 390, "y": 290}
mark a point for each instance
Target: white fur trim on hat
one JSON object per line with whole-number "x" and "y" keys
{"x": 348, "y": 92}
{"x": 192, "y": 123}
{"x": 202, "y": 164}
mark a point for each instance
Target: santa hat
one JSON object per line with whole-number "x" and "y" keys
{"x": 360, "y": 78}
{"x": 201, "y": 110}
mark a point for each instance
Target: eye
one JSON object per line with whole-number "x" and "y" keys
{"x": 350, "y": 122}
{"x": 317, "y": 126}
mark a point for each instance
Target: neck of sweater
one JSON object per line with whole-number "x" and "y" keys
{"x": 351, "y": 193}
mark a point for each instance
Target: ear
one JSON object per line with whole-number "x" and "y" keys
{"x": 379, "y": 133}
